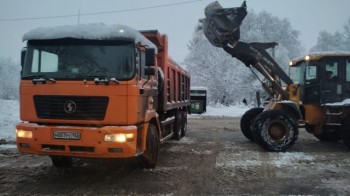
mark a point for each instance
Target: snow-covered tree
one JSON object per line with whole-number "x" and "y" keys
{"x": 228, "y": 80}
{"x": 338, "y": 41}
{"x": 9, "y": 79}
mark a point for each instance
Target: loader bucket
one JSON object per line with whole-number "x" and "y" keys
{"x": 221, "y": 25}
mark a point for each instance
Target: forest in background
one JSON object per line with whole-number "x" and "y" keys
{"x": 228, "y": 81}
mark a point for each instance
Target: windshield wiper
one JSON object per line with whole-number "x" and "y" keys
{"x": 39, "y": 79}
{"x": 43, "y": 80}
{"x": 106, "y": 81}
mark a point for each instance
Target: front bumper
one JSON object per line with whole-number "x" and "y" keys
{"x": 91, "y": 142}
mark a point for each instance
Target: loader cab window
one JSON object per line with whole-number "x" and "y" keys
{"x": 347, "y": 70}
{"x": 311, "y": 73}
{"x": 331, "y": 71}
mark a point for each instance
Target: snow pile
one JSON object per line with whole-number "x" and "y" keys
{"x": 9, "y": 117}
{"x": 221, "y": 110}
{"x": 89, "y": 31}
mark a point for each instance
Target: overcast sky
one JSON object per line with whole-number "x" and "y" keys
{"x": 309, "y": 17}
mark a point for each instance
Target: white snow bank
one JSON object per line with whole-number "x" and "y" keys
{"x": 9, "y": 117}
{"x": 344, "y": 102}
{"x": 199, "y": 88}
{"x": 221, "y": 110}
{"x": 89, "y": 31}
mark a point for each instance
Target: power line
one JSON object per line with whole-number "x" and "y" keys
{"x": 99, "y": 13}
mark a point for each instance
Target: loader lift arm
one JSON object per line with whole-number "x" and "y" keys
{"x": 221, "y": 27}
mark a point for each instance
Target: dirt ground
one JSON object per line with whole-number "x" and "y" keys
{"x": 213, "y": 159}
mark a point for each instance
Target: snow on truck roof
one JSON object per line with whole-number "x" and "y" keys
{"x": 89, "y": 31}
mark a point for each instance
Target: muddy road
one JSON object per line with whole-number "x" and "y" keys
{"x": 213, "y": 159}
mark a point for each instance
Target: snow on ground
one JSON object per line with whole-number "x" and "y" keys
{"x": 9, "y": 116}
{"x": 221, "y": 110}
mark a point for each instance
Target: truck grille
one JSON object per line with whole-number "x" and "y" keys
{"x": 71, "y": 107}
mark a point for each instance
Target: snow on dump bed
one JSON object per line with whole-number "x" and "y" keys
{"x": 88, "y": 31}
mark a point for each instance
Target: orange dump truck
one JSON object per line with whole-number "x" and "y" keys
{"x": 100, "y": 91}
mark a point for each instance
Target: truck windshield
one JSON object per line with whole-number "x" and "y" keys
{"x": 79, "y": 59}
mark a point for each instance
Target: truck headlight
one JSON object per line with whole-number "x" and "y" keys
{"x": 119, "y": 137}
{"x": 24, "y": 134}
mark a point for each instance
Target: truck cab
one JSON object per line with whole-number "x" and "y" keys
{"x": 94, "y": 91}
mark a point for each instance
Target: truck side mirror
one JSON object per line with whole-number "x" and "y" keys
{"x": 150, "y": 56}
{"x": 23, "y": 56}
{"x": 150, "y": 71}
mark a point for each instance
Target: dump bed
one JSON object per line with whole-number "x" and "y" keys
{"x": 174, "y": 81}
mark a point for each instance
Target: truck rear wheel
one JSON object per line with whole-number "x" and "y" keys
{"x": 150, "y": 157}
{"x": 177, "y": 126}
{"x": 247, "y": 122}
{"x": 275, "y": 130}
{"x": 183, "y": 123}
{"x": 61, "y": 161}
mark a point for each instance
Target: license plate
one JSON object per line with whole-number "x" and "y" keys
{"x": 66, "y": 135}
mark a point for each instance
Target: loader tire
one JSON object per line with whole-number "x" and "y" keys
{"x": 150, "y": 157}
{"x": 247, "y": 121}
{"x": 275, "y": 131}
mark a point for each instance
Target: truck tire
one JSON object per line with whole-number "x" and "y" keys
{"x": 149, "y": 158}
{"x": 247, "y": 122}
{"x": 183, "y": 123}
{"x": 177, "y": 126}
{"x": 327, "y": 135}
{"x": 346, "y": 131}
{"x": 61, "y": 161}
{"x": 275, "y": 130}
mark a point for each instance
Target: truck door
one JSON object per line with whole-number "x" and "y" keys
{"x": 331, "y": 88}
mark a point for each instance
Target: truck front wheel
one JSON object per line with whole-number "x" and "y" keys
{"x": 61, "y": 161}
{"x": 150, "y": 157}
{"x": 247, "y": 122}
{"x": 275, "y": 130}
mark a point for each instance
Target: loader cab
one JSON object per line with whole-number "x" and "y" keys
{"x": 323, "y": 78}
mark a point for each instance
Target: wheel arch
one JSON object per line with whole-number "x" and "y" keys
{"x": 291, "y": 108}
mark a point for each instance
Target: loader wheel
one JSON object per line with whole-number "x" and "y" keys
{"x": 346, "y": 132}
{"x": 327, "y": 135}
{"x": 275, "y": 130}
{"x": 184, "y": 123}
{"x": 247, "y": 122}
{"x": 61, "y": 161}
{"x": 177, "y": 126}
{"x": 150, "y": 157}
